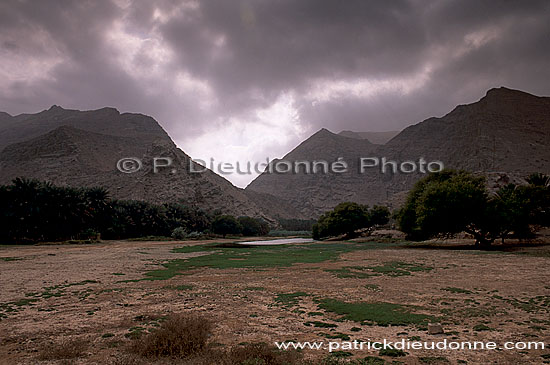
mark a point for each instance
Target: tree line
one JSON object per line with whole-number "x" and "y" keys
{"x": 33, "y": 211}
{"x": 439, "y": 205}
{"x": 450, "y": 202}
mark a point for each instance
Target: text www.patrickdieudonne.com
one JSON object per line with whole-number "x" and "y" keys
{"x": 403, "y": 344}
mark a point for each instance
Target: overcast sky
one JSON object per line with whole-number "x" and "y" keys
{"x": 246, "y": 80}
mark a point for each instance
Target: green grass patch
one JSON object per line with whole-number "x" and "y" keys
{"x": 373, "y": 360}
{"x": 338, "y": 335}
{"x": 24, "y": 302}
{"x": 11, "y": 258}
{"x": 58, "y": 290}
{"x": 381, "y": 314}
{"x": 179, "y": 287}
{"x": 392, "y": 268}
{"x": 319, "y": 324}
{"x": 289, "y": 299}
{"x": 392, "y": 352}
{"x": 315, "y": 314}
{"x": 196, "y": 248}
{"x": 340, "y": 354}
{"x": 13, "y": 307}
{"x": 372, "y": 287}
{"x": 397, "y": 268}
{"x": 457, "y": 290}
{"x": 481, "y": 327}
{"x": 350, "y": 273}
{"x": 253, "y": 257}
{"x": 530, "y": 305}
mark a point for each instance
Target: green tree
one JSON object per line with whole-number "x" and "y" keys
{"x": 253, "y": 226}
{"x": 539, "y": 191}
{"x": 39, "y": 211}
{"x": 539, "y": 180}
{"x": 379, "y": 215}
{"x": 344, "y": 219}
{"x": 226, "y": 224}
{"x": 134, "y": 218}
{"x": 191, "y": 219}
{"x": 445, "y": 203}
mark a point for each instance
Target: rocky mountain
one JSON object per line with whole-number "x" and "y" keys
{"x": 313, "y": 193}
{"x": 372, "y": 137}
{"x": 82, "y": 148}
{"x": 505, "y": 135}
{"x": 506, "y": 131}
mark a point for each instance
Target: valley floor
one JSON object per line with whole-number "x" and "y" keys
{"x": 109, "y": 293}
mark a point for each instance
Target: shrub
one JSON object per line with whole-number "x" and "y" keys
{"x": 68, "y": 349}
{"x": 186, "y": 337}
{"x": 194, "y": 235}
{"x": 179, "y": 233}
{"x": 345, "y": 218}
{"x": 392, "y": 352}
{"x": 179, "y": 336}
{"x": 348, "y": 217}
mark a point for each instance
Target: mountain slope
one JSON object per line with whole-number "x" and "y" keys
{"x": 373, "y": 137}
{"x": 312, "y": 194}
{"x": 505, "y": 136}
{"x": 69, "y": 147}
{"x": 507, "y": 130}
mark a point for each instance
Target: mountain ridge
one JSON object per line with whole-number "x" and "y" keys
{"x": 503, "y": 135}
{"x": 378, "y": 138}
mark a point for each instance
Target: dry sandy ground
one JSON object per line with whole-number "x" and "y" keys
{"x": 52, "y": 293}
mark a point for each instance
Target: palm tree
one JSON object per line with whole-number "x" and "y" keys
{"x": 539, "y": 179}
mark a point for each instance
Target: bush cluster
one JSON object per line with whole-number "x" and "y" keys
{"x": 348, "y": 217}
{"x": 247, "y": 226}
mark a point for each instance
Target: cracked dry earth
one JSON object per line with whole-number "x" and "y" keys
{"x": 54, "y": 293}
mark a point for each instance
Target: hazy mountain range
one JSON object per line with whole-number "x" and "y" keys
{"x": 505, "y": 135}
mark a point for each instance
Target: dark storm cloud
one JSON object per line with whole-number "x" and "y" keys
{"x": 270, "y": 46}
{"x": 201, "y": 66}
